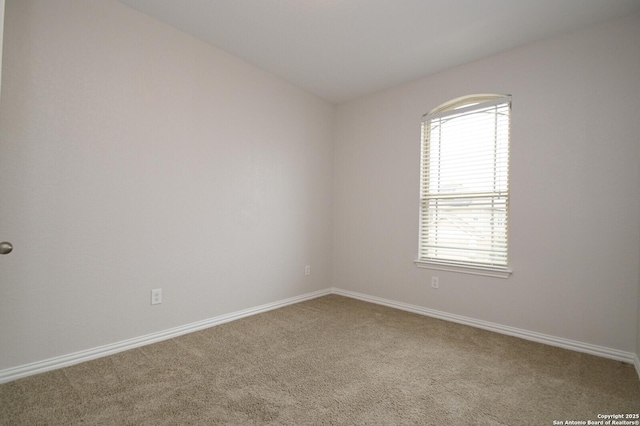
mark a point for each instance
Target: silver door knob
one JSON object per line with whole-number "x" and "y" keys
{"x": 5, "y": 248}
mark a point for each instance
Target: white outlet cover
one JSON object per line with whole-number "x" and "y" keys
{"x": 156, "y": 296}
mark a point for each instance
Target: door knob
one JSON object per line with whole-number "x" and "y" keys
{"x": 5, "y": 248}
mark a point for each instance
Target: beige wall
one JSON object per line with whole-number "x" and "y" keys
{"x": 135, "y": 157}
{"x": 575, "y": 202}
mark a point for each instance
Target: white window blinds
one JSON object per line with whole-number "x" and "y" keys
{"x": 464, "y": 201}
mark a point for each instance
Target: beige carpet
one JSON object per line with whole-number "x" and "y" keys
{"x": 331, "y": 360}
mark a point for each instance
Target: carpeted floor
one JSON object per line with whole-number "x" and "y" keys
{"x": 335, "y": 361}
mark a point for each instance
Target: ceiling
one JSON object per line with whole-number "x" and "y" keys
{"x": 343, "y": 49}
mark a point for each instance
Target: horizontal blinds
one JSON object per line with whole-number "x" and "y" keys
{"x": 465, "y": 184}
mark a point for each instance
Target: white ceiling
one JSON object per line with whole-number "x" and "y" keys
{"x": 342, "y": 49}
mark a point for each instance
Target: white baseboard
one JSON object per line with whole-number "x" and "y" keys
{"x": 628, "y": 357}
{"x": 19, "y": 372}
{"x": 26, "y": 370}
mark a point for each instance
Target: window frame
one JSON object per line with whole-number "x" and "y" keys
{"x": 457, "y": 106}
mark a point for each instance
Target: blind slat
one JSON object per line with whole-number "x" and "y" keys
{"x": 465, "y": 182}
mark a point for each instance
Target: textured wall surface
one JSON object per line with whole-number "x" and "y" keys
{"x": 575, "y": 203}
{"x": 136, "y": 157}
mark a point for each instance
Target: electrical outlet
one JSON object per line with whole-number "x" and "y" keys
{"x": 307, "y": 270}
{"x": 435, "y": 282}
{"x": 156, "y": 296}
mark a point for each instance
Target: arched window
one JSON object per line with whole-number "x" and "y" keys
{"x": 464, "y": 185}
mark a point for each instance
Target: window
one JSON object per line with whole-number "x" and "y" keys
{"x": 464, "y": 186}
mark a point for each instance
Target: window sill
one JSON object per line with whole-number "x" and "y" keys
{"x": 464, "y": 269}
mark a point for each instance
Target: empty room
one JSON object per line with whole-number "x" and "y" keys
{"x": 320, "y": 212}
